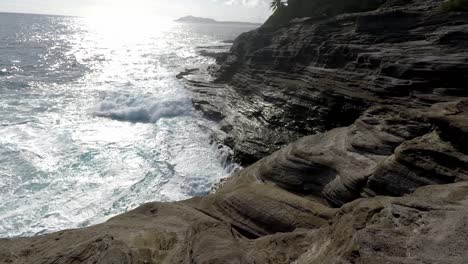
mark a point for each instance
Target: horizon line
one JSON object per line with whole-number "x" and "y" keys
{"x": 37, "y": 14}
{"x": 81, "y": 16}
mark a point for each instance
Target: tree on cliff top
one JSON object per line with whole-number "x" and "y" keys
{"x": 276, "y": 4}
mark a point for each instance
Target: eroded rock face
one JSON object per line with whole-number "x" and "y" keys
{"x": 357, "y": 128}
{"x": 279, "y": 84}
{"x": 428, "y": 226}
{"x": 438, "y": 157}
{"x": 387, "y": 151}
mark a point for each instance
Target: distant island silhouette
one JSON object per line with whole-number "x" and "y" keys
{"x": 203, "y": 20}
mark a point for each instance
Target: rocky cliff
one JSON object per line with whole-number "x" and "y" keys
{"x": 310, "y": 76}
{"x": 356, "y": 127}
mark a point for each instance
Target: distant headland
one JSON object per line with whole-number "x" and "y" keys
{"x": 202, "y": 20}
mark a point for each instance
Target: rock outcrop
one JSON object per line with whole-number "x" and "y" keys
{"x": 280, "y": 84}
{"x": 376, "y": 107}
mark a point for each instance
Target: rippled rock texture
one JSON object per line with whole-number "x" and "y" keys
{"x": 374, "y": 105}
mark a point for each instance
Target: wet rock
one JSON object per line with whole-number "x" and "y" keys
{"x": 186, "y": 72}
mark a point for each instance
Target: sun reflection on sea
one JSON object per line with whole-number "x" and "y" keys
{"x": 115, "y": 41}
{"x": 128, "y": 28}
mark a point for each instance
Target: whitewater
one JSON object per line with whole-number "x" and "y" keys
{"x": 94, "y": 122}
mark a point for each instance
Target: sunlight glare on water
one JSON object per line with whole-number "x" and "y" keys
{"x": 94, "y": 121}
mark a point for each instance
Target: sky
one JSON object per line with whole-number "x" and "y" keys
{"x": 223, "y": 10}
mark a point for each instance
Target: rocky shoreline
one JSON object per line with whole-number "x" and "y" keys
{"x": 376, "y": 107}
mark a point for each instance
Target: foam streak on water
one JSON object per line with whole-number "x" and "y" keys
{"x": 93, "y": 121}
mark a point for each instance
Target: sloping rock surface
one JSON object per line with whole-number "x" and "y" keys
{"x": 374, "y": 105}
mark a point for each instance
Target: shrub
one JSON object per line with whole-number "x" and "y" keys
{"x": 455, "y": 5}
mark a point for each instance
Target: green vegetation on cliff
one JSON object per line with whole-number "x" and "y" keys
{"x": 321, "y": 9}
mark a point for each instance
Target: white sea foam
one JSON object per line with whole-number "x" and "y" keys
{"x": 142, "y": 110}
{"x": 10, "y": 70}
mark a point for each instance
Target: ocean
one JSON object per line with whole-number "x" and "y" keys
{"x": 94, "y": 122}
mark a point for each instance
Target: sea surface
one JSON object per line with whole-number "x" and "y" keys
{"x": 94, "y": 122}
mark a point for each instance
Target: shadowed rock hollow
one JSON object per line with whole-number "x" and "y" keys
{"x": 375, "y": 105}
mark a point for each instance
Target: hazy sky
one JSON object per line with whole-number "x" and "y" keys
{"x": 241, "y": 10}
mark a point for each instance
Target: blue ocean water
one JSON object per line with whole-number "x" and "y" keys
{"x": 93, "y": 121}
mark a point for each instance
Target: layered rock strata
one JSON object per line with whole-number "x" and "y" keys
{"x": 279, "y": 84}
{"x": 375, "y": 105}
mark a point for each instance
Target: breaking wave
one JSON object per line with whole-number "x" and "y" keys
{"x": 142, "y": 110}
